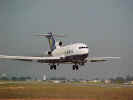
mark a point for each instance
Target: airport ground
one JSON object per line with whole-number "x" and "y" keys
{"x": 63, "y": 91}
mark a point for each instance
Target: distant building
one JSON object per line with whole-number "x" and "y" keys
{"x": 131, "y": 82}
{"x": 56, "y": 81}
{"x": 83, "y": 81}
{"x": 95, "y": 81}
{"x": 107, "y": 81}
{"x": 4, "y": 76}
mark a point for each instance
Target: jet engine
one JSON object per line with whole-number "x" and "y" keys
{"x": 60, "y": 43}
{"x": 49, "y": 53}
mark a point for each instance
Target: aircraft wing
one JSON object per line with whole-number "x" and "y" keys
{"x": 29, "y": 58}
{"x": 101, "y": 59}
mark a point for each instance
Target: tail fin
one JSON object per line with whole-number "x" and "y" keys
{"x": 51, "y": 40}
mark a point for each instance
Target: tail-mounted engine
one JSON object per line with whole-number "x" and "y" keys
{"x": 60, "y": 43}
{"x": 49, "y": 53}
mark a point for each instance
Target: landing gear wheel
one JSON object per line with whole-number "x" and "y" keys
{"x": 75, "y": 67}
{"x": 52, "y": 67}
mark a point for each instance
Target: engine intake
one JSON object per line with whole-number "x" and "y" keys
{"x": 49, "y": 52}
{"x": 60, "y": 43}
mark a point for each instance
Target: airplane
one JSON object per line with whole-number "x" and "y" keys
{"x": 74, "y": 53}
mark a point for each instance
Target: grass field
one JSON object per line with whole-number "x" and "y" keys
{"x": 62, "y": 90}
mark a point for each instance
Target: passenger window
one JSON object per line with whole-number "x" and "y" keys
{"x": 68, "y": 51}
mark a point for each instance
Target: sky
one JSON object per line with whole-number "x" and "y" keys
{"x": 106, "y": 26}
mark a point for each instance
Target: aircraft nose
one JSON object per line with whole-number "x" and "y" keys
{"x": 87, "y": 49}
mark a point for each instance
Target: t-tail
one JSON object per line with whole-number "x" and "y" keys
{"x": 51, "y": 41}
{"x": 50, "y": 36}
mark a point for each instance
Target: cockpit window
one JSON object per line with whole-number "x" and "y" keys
{"x": 82, "y": 47}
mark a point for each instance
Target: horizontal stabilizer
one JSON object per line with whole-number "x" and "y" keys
{"x": 47, "y": 34}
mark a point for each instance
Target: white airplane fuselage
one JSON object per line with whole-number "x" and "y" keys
{"x": 76, "y": 51}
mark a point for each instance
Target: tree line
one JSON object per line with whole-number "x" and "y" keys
{"x": 15, "y": 78}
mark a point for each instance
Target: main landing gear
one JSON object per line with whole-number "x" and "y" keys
{"x": 52, "y": 67}
{"x": 75, "y": 67}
